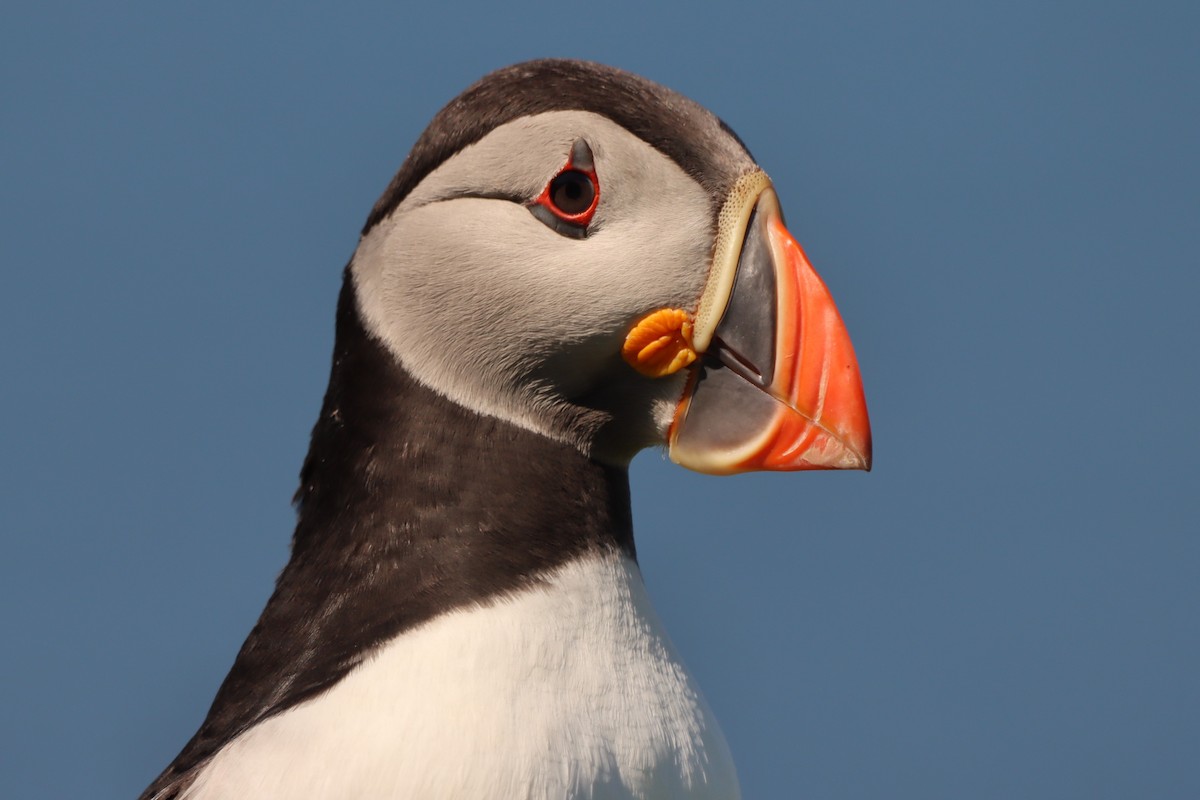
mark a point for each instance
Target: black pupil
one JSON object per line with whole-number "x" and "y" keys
{"x": 572, "y": 192}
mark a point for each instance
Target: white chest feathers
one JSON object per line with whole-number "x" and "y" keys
{"x": 567, "y": 690}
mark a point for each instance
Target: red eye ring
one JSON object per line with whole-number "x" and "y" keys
{"x": 573, "y": 194}
{"x": 570, "y": 189}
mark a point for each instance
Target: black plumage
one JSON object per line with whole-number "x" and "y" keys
{"x": 409, "y": 506}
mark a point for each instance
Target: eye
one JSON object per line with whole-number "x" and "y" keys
{"x": 569, "y": 201}
{"x": 572, "y": 193}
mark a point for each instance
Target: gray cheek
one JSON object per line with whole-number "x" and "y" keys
{"x": 484, "y": 267}
{"x": 447, "y": 302}
{"x": 488, "y": 306}
{"x": 475, "y": 322}
{"x": 484, "y": 280}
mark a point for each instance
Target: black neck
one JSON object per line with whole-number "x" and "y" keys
{"x": 410, "y": 506}
{"x": 472, "y": 500}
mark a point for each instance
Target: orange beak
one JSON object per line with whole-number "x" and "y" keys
{"x": 777, "y": 386}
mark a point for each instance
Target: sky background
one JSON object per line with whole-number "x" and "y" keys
{"x": 1003, "y": 197}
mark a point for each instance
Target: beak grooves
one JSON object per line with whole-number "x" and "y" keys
{"x": 778, "y": 386}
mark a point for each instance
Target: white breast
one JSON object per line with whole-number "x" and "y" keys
{"x": 566, "y": 690}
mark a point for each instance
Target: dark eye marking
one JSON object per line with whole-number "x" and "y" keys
{"x": 569, "y": 201}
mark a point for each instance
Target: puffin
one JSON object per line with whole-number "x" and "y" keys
{"x": 573, "y": 264}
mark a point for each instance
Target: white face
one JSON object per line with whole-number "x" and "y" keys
{"x": 486, "y": 304}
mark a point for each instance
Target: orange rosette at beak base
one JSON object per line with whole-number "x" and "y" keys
{"x": 777, "y": 386}
{"x": 660, "y": 343}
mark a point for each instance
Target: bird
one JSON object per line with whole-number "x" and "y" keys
{"x": 572, "y": 264}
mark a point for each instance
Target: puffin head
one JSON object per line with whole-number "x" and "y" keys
{"x": 590, "y": 256}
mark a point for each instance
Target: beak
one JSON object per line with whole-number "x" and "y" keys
{"x": 776, "y": 386}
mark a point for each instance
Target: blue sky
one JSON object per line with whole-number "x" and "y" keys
{"x": 1003, "y": 197}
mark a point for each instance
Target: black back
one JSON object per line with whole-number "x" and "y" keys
{"x": 409, "y": 506}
